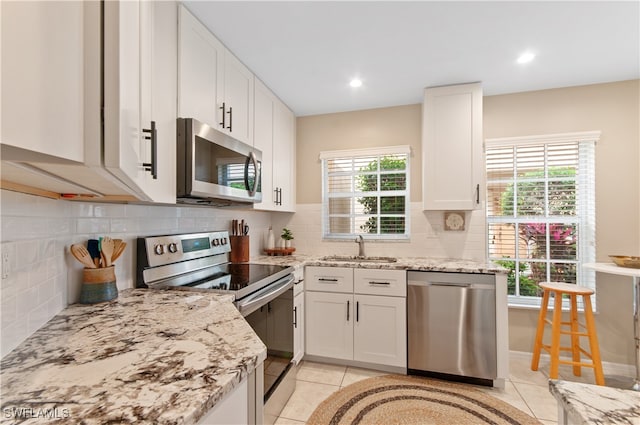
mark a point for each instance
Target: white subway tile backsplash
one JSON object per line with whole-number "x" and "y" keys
{"x": 92, "y": 225}
{"x": 43, "y": 276}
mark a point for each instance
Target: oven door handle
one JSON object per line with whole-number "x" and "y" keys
{"x": 260, "y": 298}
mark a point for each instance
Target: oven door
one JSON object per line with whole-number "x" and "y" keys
{"x": 251, "y": 303}
{"x": 272, "y": 321}
{"x": 212, "y": 164}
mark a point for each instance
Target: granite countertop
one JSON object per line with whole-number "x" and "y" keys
{"x": 594, "y": 404}
{"x": 403, "y": 263}
{"x": 162, "y": 357}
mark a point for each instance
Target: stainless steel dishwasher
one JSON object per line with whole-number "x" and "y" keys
{"x": 451, "y": 320}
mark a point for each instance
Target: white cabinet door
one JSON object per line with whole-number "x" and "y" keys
{"x": 238, "y": 99}
{"x": 159, "y": 86}
{"x": 263, "y": 140}
{"x": 42, "y": 89}
{"x": 298, "y": 327}
{"x": 123, "y": 138}
{"x": 201, "y": 71}
{"x": 284, "y": 159}
{"x": 329, "y": 329}
{"x": 274, "y": 135}
{"x": 232, "y": 409}
{"x": 380, "y": 331}
{"x": 140, "y": 58}
{"x": 453, "y": 166}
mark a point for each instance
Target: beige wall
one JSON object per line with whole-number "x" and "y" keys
{"x": 614, "y": 109}
{"x": 400, "y": 125}
{"x": 611, "y": 108}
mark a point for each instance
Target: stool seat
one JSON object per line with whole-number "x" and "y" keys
{"x": 560, "y": 289}
{"x": 566, "y": 288}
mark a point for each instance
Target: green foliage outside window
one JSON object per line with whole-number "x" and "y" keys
{"x": 561, "y": 195}
{"x": 388, "y": 204}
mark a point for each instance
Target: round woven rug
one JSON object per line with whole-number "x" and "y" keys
{"x": 398, "y": 399}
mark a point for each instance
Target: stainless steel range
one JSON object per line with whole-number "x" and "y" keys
{"x": 263, "y": 295}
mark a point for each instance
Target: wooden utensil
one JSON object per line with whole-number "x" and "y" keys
{"x": 107, "y": 250}
{"x": 82, "y": 255}
{"x": 118, "y": 251}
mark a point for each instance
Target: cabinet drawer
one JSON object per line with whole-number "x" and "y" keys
{"x": 380, "y": 282}
{"x": 329, "y": 279}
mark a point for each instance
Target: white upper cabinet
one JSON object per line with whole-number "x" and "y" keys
{"x": 140, "y": 92}
{"x": 237, "y": 99}
{"x": 58, "y": 135}
{"x": 284, "y": 158}
{"x": 274, "y": 135}
{"x": 201, "y": 69}
{"x": 453, "y": 166}
{"x": 43, "y": 56}
{"x": 214, "y": 86}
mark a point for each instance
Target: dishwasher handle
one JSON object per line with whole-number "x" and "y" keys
{"x": 468, "y": 285}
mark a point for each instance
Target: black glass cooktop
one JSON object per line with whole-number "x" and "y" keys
{"x": 240, "y": 279}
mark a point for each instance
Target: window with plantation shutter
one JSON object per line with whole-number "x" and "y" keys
{"x": 541, "y": 210}
{"x": 365, "y": 192}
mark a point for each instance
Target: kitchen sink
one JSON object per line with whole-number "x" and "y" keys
{"x": 357, "y": 259}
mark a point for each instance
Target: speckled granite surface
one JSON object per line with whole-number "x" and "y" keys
{"x": 422, "y": 264}
{"x": 161, "y": 357}
{"x": 594, "y": 404}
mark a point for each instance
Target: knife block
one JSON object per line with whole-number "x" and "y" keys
{"x": 239, "y": 249}
{"x": 98, "y": 285}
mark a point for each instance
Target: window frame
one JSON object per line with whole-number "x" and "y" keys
{"x": 585, "y": 206}
{"x": 379, "y": 153}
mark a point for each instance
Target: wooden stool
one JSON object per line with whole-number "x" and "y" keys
{"x": 559, "y": 289}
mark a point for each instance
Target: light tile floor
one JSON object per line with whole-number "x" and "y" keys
{"x": 525, "y": 389}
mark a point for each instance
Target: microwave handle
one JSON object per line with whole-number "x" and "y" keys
{"x": 251, "y": 159}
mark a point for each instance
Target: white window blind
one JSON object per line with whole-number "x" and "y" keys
{"x": 541, "y": 211}
{"x": 365, "y": 192}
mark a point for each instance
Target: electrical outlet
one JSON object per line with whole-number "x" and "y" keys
{"x": 5, "y": 265}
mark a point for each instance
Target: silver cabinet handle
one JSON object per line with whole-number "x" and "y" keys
{"x": 323, "y": 279}
{"x": 372, "y": 282}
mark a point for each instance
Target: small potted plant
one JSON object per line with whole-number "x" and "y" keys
{"x": 287, "y": 237}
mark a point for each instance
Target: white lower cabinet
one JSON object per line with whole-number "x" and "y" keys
{"x": 329, "y": 325}
{"x": 367, "y": 328}
{"x": 242, "y": 406}
{"x": 298, "y": 326}
{"x": 379, "y": 332}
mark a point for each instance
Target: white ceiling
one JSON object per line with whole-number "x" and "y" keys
{"x": 307, "y": 51}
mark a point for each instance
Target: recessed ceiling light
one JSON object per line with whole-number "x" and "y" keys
{"x": 356, "y": 82}
{"x": 526, "y": 57}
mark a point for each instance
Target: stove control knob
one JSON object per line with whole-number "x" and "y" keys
{"x": 225, "y": 241}
{"x": 158, "y": 249}
{"x": 173, "y": 247}
{"x": 215, "y": 242}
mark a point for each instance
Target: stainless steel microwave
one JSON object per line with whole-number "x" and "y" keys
{"x": 214, "y": 168}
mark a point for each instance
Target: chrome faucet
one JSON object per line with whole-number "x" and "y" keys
{"x": 360, "y": 242}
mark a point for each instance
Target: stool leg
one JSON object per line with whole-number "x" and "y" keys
{"x": 537, "y": 346}
{"x": 575, "y": 338}
{"x": 555, "y": 335}
{"x": 593, "y": 340}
